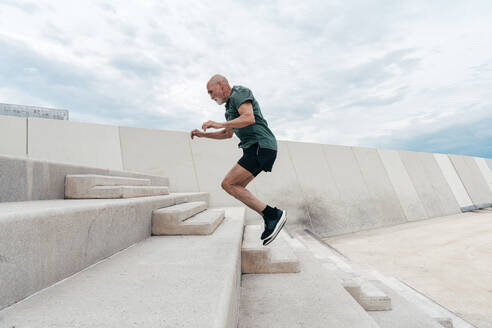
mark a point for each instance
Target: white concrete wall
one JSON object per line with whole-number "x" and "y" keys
{"x": 430, "y": 184}
{"x": 404, "y": 188}
{"x": 74, "y": 143}
{"x": 489, "y": 162}
{"x": 165, "y": 153}
{"x": 472, "y": 179}
{"x": 486, "y": 171}
{"x": 331, "y": 189}
{"x": 13, "y": 136}
{"x": 308, "y": 186}
{"x": 389, "y": 209}
{"x": 454, "y": 182}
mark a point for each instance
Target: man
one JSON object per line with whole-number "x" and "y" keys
{"x": 259, "y": 146}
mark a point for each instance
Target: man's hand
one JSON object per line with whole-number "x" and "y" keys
{"x": 212, "y": 124}
{"x": 196, "y": 133}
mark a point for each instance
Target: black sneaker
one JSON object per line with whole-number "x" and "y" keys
{"x": 269, "y": 223}
{"x": 274, "y": 226}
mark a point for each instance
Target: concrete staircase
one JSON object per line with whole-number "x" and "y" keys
{"x": 68, "y": 255}
{"x": 84, "y": 186}
{"x": 126, "y": 253}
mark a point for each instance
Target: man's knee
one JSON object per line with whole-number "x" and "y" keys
{"x": 225, "y": 185}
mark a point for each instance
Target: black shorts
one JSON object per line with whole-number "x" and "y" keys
{"x": 256, "y": 159}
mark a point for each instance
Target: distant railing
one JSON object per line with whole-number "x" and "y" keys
{"x": 33, "y": 111}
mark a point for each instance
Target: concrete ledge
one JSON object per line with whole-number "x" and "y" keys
{"x": 76, "y": 183}
{"x": 183, "y": 197}
{"x": 174, "y": 215}
{"x": 42, "y": 242}
{"x": 171, "y": 281}
{"x": 104, "y": 192}
{"x": 277, "y": 257}
{"x": 82, "y": 186}
{"x": 203, "y": 223}
{"x": 367, "y": 295}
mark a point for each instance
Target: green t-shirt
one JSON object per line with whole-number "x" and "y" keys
{"x": 251, "y": 134}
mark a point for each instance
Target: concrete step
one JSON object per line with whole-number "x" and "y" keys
{"x": 203, "y": 223}
{"x": 403, "y": 315}
{"x": 276, "y": 257}
{"x": 125, "y": 191}
{"x": 183, "y": 197}
{"x": 367, "y": 295}
{"x": 445, "y": 317}
{"x": 369, "y": 282}
{"x": 84, "y": 186}
{"x": 312, "y": 298}
{"x": 164, "y": 218}
{"x": 171, "y": 281}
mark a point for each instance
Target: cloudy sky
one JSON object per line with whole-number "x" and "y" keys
{"x": 414, "y": 75}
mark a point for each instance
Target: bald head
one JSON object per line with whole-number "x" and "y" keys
{"x": 217, "y": 78}
{"x": 219, "y": 89}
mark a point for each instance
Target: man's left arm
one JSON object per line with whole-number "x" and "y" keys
{"x": 246, "y": 117}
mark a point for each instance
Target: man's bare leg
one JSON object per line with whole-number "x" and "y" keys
{"x": 235, "y": 182}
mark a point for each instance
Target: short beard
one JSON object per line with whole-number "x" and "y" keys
{"x": 219, "y": 102}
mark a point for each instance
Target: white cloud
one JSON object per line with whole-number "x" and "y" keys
{"x": 376, "y": 74}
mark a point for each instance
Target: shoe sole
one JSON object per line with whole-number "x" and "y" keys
{"x": 279, "y": 227}
{"x": 264, "y": 228}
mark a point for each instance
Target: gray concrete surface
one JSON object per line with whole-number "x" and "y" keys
{"x": 13, "y": 135}
{"x": 74, "y": 143}
{"x": 170, "y": 281}
{"x": 312, "y": 298}
{"x": 42, "y": 242}
{"x": 447, "y": 259}
{"x": 454, "y": 182}
{"x": 473, "y": 180}
{"x": 404, "y": 188}
{"x": 14, "y": 179}
{"x": 429, "y": 182}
